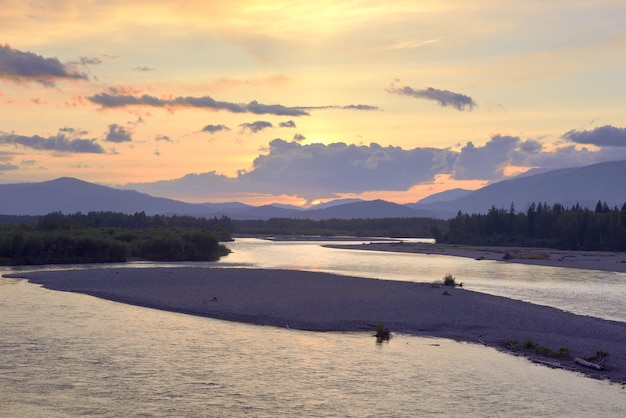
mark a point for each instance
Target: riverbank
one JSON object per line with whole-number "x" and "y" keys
{"x": 326, "y": 302}
{"x": 588, "y": 260}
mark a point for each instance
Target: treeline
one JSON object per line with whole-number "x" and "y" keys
{"x": 222, "y": 226}
{"x": 99, "y": 237}
{"x": 375, "y": 227}
{"x": 542, "y": 225}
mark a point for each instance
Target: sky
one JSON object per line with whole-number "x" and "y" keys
{"x": 301, "y": 102}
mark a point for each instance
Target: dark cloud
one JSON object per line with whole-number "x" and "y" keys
{"x": 163, "y": 138}
{"x": 257, "y": 126}
{"x": 347, "y": 107}
{"x": 604, "y": 136}
{"x": 206, "y": 102}
{"x": 90, "y": 61}
{"x": 262, "y": 109}
{"x": 215, "y": 128}
{"x": 118, "y": 134}
{"x": 313, "y": 171}
{"x": 144, "y": 69}
{"x": 443, "y": 97}
{"x": 360, "y": 107}
{"x": 57, "y": 143}
{"x": 486, "y": 162}
{"x": 288, "y": 124}
{"x": 299, "y": 137}
{"x": 108, "y": 100}
{"x": 8, "y": 167}
{"x": 73, "y": 132}
{"x": 317, "y": 169}
{"x": 25, "y": 66}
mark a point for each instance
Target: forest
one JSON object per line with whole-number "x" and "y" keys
{"x": 541, "y": 225}
{"x": 371, "y": 227}
{"x": 101, "y": 237}
{"x": 98, "y": 237}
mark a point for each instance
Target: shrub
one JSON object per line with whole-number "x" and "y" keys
{"x": 449, "y": 280}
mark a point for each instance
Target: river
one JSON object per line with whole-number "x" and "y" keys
{"x": 66, "y": 354}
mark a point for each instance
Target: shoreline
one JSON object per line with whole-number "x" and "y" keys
{"x": 586, "y": 260}
{"x": 326, "y": 302}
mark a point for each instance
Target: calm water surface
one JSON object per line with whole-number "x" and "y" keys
{"x": 586, "y": 292}
{"x": 69, "y": 354}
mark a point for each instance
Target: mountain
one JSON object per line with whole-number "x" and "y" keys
{"x": 441, "y": 197}
{"x": 352, "y": 210}
{"x": 366, "y": 209}
{"x": 335, "y": 202}
{"x": 568, "y": 186}
{"x": 69, "y": 195}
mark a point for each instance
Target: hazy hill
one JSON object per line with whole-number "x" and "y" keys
{"x": 568, "y": 186}
{"x": 69, "y": 195}
{"x": 367, "y": 209}
{"x": 582, "y": 185}
{"x": 444, "y": 196}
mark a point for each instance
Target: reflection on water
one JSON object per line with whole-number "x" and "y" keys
{"x": 66, "y": 354}
{"x": 586, "y": 292}
{"x": 70, "y": 354}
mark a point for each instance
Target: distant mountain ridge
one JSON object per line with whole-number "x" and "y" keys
{"x": 568, "y": 186}
{"x": 583, "y": 185}
{"x": 70, "y": 195}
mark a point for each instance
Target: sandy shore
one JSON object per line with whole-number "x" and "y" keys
{"x": 589, "y": 260}
{"x": 325, "y": 302}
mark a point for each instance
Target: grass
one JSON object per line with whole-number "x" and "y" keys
{"x": 449, "y": 280}
{"x": 530, "y": 345}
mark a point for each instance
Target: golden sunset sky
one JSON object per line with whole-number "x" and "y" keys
{"x": 298, "y": 102}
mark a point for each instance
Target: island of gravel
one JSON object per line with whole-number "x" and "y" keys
{"x": 326, "y": 302}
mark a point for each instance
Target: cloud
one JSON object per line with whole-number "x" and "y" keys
{"x": 143, "y": 69}
{"x": 21, "y": 66}
{"x": 257, "y": 126}
{"x": 118, "y": 134}
{"x": 360, "y": 107}
{"x": 58, "y": 143}
{"x": 118, "y": 98}
{"x": 486, "y": 162}
{"x": 107, "y": 100}
{"x": 318, "y": 169}
{"x": 346, "y": 107}
{"x": 8, "y": 167}
{"x": 299, "y": 137}
{"x": 73, "y": 132}
{"x": 163, "y": 138}
{"x": 443, "y": 97}
{"x": 90, "y": 61}
{"x": 288, "y": 124}
{"x": 604, "y": 136}
{"x": 314, "y": 171}
{"x": 215, "y": 128}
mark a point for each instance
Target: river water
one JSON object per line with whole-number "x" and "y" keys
{"x": 65, "y": 354}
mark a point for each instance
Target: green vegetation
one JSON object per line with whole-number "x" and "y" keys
{"x": 600, "y": 356}
{"x": 382, "y": 333}
{"x": 542, "y": 225}
{"x": 379, "y": 227}
{"x": 100, "y": 237}
{"x": 449, "y": 280}
{"x": 530, "y": 345}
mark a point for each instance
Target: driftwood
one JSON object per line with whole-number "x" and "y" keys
{"x": 589, "y": 364}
